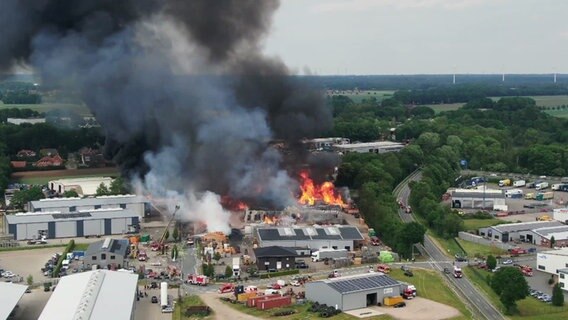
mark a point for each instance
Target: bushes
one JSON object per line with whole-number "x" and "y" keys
{"x": 69, "y": 248}
{"x": 279, "y": 273}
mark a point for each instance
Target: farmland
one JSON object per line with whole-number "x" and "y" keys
{"x": 42, "y": 177}
{"x": 358, "y": 96}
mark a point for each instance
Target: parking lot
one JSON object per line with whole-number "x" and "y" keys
{"x": 146, "y": 310}
{"x": 28, "y": 262}
{"x": 421, "y": 309}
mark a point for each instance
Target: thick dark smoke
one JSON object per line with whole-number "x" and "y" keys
{"x": 188, "y": 101}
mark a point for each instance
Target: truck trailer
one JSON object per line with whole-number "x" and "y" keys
{"x": 323, "y": 254}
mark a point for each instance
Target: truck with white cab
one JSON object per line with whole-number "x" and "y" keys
{"x": 323, "y": 254}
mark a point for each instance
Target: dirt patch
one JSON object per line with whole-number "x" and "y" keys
{"x": 421, "y": 309}
{"x": 64, "y": 173}
{"x": 222, "y": 311}
{"x": 365, "y": 313}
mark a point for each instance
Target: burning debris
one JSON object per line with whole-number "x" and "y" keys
{"x": 313, "y": 194}
{"x": 140, "y": 65}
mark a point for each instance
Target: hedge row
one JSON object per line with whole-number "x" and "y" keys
{"x": 69, "y": 248}
{"x": 279, "y": 273}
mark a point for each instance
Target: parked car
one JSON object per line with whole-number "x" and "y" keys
{"x": 408, "y": 273}
{"x": 400, "y": 305}
{"x": 154, "y": 299}
{"x": 447, "y": 271}
{"x": 508, "y": 261}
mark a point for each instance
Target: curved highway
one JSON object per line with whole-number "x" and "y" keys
{"x": 468, "y": 292}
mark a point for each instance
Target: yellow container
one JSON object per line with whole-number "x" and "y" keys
{"x": 243, "y": 297}
{"x": 357, "y": 261}
{"x": 389, "y": 301}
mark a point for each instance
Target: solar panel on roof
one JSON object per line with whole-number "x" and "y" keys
{"x": 362, "y": 283}
{"x": 70, "y": 215}
{"x": 331, "y": 231}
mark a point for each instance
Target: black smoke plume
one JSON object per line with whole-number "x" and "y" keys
{"x": 187, "y": 99}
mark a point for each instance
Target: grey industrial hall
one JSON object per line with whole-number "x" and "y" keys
{"x": 315, "y": 238}
{"x": 108, "y": 253}
{"x": 353, "y": 292}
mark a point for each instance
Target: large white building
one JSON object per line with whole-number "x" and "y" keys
{"x": 478, "y": 198}
{"x": 20, "y": 121}
{"x": 34, "y": 225}
{"x": 523, "y": 231}
{"x": 93, "y": 295}
{"x": 83, "y": 186}
{"x": 554, "y": 262}
{"x": 131, "y": 202}
{"x": 370, "y": 147}
{"x": 563, "y": 278}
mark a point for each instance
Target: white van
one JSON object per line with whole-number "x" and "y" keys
{"x": 519, "y": 183}
{"x": 541, "y": 186}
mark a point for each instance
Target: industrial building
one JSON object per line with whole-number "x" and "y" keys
{"x": 543, "y": 236}
{"x": 130, "y": 202}
{"x": 34, "y": 225}
{"x": 552, "y": 261}
{"x": 478, "y": 198}
{"x": 325, "y": 143}
{"x": 108, "y": 253}
{"x": 370, "y": 147}
{"x": 563, "y": 279}
{"x": 313, "y": 237}
{"x": 10, "y": 295}
{"x": 93, "y": 295}
{"x": 353, "y": 292}
{"x": 516, "y": 231}
{"x": 560, "y": 214}
{"x": 275, "y": 258}
{"x": 83, "y": 186}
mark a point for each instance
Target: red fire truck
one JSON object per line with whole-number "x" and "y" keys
{"x": 199, "y": 280}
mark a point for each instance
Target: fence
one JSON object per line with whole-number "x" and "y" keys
{"x": 480, "y": 240}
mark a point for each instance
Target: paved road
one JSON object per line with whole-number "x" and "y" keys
{"x": 469, "y": 293}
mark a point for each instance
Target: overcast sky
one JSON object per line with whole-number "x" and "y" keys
{"x": 421, "y": 36}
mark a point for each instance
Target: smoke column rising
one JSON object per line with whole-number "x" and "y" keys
{"x": 187, "y": 100}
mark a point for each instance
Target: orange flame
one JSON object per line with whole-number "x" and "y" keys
{"x": 233, "y": 204}
{"x": 312, "y": 192}
{"x": 269, "y": 220}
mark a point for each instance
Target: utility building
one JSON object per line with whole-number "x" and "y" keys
{"x": 353, "y": 292}
{"x": 83, "y": 186}
{"x": 522, "y": 231}
{"x": 35, "y": 225}
{"x": 108, "y": 253}
{"x": 370, "y": 147}
{"x": 478, "y": 199}
{"x": 554, "y": 262}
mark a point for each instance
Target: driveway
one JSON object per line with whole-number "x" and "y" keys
{"x": 421, "y": 309}
{"x": 223, "y": 311}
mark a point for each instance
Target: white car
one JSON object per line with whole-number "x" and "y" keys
{"x": 508, "y": 261}
{"x": 8, "y": 274}
{"x": 295, "y": 283}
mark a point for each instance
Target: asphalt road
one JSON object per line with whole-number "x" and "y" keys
{"x": 468, "y": 292}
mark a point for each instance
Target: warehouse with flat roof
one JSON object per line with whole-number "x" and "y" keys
{"x": 93, "y": 295}
{"x": 315, "y": 238}
{"x": 370, "y": 147}
{"x": 543, "y": 236}
{"x": 522, "y": 231}
{"x": 131, "y": 202}
{"x": 353, "y": 292}
{"x": 479, "y": 198}
{"x": 35, "y": 225}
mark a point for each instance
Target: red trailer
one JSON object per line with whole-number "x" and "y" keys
{"x": 277, "y": 302}
{"x": 253, "y": 302}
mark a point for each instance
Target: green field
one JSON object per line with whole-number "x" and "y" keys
{"x": 363, "y": 94}
{"x": 186, "y": 302}
{"x": 529, "y": 308}
{"x": 43, "y": 177}
{"x": 474, "y": 224}
{"x": 563, "y": 113}
{"x": 80, "y": 109}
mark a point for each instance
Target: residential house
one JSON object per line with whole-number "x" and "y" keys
{"x": 275, "y": 258}
{"x": 48, "y": 152}
{"x": 91, "y": 157}
{"x": 18, "y": 164}
{"x": 49, "y": 161}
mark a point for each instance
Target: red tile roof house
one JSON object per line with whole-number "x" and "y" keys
{"x": 25, "y": 153}
{"x": 48, "y": 161}
{"x": 18, "y": 164}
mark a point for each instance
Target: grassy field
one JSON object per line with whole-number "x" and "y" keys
{"x": 445, "y": 107}
{"x": 529, "y": 308}
{"x": 563, "y": 113}
{"x": 474, "y": 249}
{"x": 82, "y": 110}
{"x": 474, "y": 224}
{"x": 188, "y": 301}
{"x": 42, "y": 177}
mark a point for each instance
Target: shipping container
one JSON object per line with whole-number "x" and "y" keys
{"x": 277, "y": 302}
{"x": 389, "y": 301}
{"x": 252, "y": 302}
{"x": 242, "y": 297}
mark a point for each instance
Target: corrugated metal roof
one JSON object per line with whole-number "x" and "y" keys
{"x": 10, "y": 294}
{"x": 38, "y": 217}
{"x": 361, "y": 282}
{"x": 477, "y": 195}
{"x": 302, "y": 233}
{"x": 525, "y": 226}
{"x": 117, "y": 246}
{"x": 77, "y": 202}
{"x": 93, "y": 295}
{"x": 546, "y": 232}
